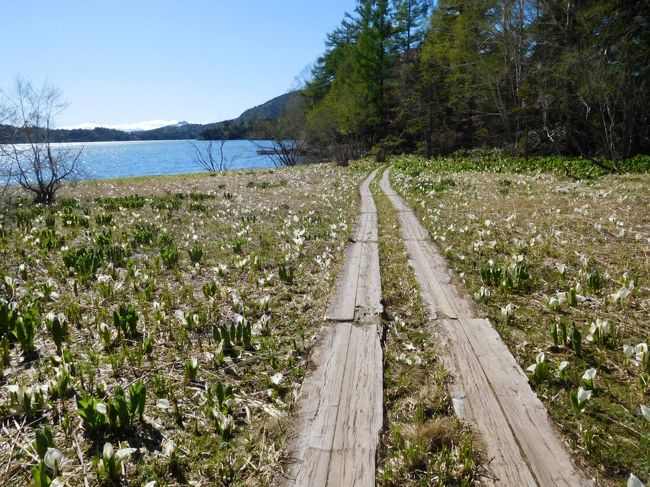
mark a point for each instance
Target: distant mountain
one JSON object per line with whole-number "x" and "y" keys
{"x": 249, "y": 125}
{"x": 246, "y": 126}
{"x": 272, "y": 109}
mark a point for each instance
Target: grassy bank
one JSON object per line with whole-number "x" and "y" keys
{"x": 560, "y": 266}
{"x": 422, "y": 442}
{"x": 169, "y": 318}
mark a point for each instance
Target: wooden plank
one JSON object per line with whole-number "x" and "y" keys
{"x": 526, "y": 413}
{"x": 491, "y": 391}
{"x": 343, "y": 302}
{"x": 366, "y": 228}
{"x": 482, "y": 409}
{"x": 360, "y": 413}
{"x": 340, "y": 412}
{"x": 396, "y": 199}
{"x": 368, "y": 298}
{"x": 319, "y": 399}
{"x": 411, "y": 228}
{"x": 368, "y": 205}
{"x": 435, "y": 284}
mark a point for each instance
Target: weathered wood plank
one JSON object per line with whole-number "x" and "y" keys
{"x": 436, "y": 283}
{"x": 340, "y": 411}
{"x": 343, "y": 302}
{"x": 526, "y": 413}
{"x": 368, "y": 205}
{"x": 360, "y": 414}
{"x": 411, "y": 228}
{"x": 368, "y": 298}
{"x": 366, "y": 228}
{"x": 481, "y": 408}
{"x": 320, "y": 397}
{"x": 490, "y": 391}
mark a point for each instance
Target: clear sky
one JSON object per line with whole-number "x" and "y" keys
{"x": 127, "y": 61}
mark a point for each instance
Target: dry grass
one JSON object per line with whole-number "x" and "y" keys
{"x": 248, "y": 224}
{"x": 562, "y": 232}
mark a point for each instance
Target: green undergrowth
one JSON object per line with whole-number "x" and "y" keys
{"x": 560, "y": 267}
{"x": 497, "y": 161}
{"x": 422, "y": 442}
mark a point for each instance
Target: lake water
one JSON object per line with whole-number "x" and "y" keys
{"x": 102, "y": 160}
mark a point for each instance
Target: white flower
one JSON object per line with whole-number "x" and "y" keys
{"x": 277, "y": 378}
{"x": 541, "y": 356}
{"x": 589, "y": 374}
{"x": 601, "y": 328}
{"x": 622, "y": 293}
{"x": 507, "y": 311}
{"x": 645, "y": 411}
{"x": 107, "y": 453}
{"x": 563, "y": 365}
{"x": 634, "y": 481}
{"x": 163, "y": 404}
{"x": 180, "y": 316}
{"x": 628, "y": 350}
{"x": 554, "y": 303}
{"x": 561, "y": 268}
{"x": 53, "y": 459}
{"x": 583, "y": 395}
{"x": 125, "y": 453}
{"x": 169, "y": 448}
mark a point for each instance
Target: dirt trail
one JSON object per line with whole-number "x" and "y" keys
{"x": 340, "y": 411}
{"x": 490, "y": 390}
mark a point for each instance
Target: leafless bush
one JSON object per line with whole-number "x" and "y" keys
{"x": 28, "y": 154}
{"x": 211, "y": 160}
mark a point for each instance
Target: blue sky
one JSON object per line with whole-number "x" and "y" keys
{"x": 122, "y": 62}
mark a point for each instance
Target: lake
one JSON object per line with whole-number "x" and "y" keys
{"x": 101, "y": 160}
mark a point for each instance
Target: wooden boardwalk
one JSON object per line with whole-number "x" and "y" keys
{"x": 340, "y": 411}
{"x": 490, "y": 390}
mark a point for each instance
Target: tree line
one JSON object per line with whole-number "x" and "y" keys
{"x": 532, "y": 76}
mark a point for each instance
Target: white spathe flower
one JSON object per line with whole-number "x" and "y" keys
{"x": 277, "y": 378}
{"x": 561, "y": 268}
{"x": 583, "y": 395}
{"x": 589, "y": 374}
{"x": 507, "y": 311}
{"x": 628, "y": 350}
{"x": 554, "y": 303}
{"x": 53, "y": 459}
{"x": 600, "y": 327}
{"x": 563, "y": 365}
{"x": 169, "y": 448}
{"x": 645, "y": 411}
{"x": 180, "y": 316}
{"x": 107, "y": 453}
{"x": 634, "y": 481}
{"x": 125, "y": 453}
{"x": 621, "y": 294}
{"x": 540, "y": 358}
{"x": 163, "y": 404}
